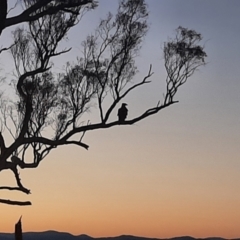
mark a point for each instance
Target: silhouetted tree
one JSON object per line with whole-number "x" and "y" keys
{"x": 57, "y": 103}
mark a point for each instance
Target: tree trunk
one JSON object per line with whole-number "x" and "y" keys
{"x": 3, "y": 14}
{"x": 18, "y": 230}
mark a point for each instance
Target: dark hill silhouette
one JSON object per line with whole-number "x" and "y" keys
{"x": 48, "y": 235}
{"x": 54, "y": 235}
{"x": 183, "y": 238}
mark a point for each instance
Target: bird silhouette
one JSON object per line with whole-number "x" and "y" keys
{"x": 122, "y": 113}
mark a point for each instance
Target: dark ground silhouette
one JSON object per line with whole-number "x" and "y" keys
{"x": 53, "y": 235}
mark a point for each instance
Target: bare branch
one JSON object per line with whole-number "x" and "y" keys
{"x": 11, "y": 188}
{"x": 42, "y": 8}
{"x": 13, "y": 7}
{"x": 6, "y": 48}
{"x": 18, "y": 203}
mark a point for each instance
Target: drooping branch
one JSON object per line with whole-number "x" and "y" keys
{"x": 17, "y": 177}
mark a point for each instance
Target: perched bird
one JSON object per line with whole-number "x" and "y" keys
{"x": 122, "y": 113}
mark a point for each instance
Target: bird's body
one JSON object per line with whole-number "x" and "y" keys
{"x": 122, "y": 113}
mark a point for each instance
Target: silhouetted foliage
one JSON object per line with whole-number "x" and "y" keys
{"x": 182, "y": 57}
{"x": 57, "y": 103}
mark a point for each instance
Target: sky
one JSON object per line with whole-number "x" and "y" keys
{"x": 173, "y": 174}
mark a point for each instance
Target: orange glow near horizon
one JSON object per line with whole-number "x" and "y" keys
{"x": 109, "y": 195}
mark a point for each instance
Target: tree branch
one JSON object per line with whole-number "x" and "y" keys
{"x": 117, "y": 100}
{"x": 2, "y": 143}
{"x": 28, "y": 14}
{"x": 18, "y": 203}
{"x": 11, "y": 188}
{"x": 91, "y": 127}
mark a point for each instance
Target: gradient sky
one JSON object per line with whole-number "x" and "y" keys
{"x": 175, "y": 173}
